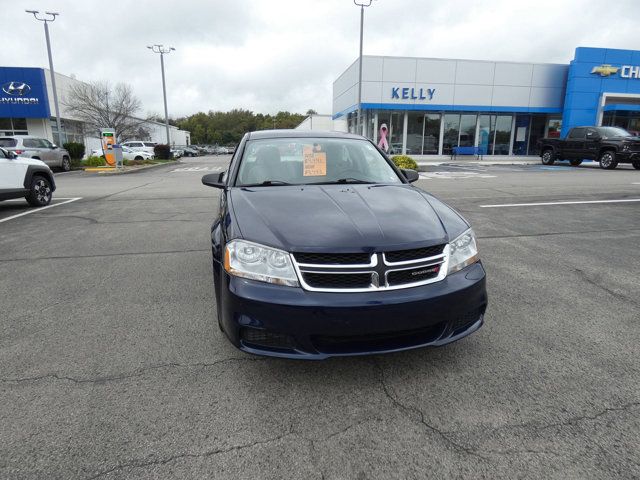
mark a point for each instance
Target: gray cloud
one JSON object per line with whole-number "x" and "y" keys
{"x": 284, "y": 54}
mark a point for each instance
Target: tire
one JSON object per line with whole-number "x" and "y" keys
{"x": 138, "y": 158}
{"x": 548, "y": 157}
{"x": 66, "y": 164}
{"x": 636, "y": 165}
{"x": 575, "y": 162}
{"x": 40, "y": 192}
{"x": 608, "y": 160}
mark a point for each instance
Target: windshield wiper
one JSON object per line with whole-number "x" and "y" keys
{"x": 342, "y": 180}
{"x": 267, "y": 183}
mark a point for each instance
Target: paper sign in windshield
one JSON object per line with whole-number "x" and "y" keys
{"x": 315, "y": 163}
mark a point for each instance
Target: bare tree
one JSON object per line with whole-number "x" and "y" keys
{"x": 100, "y": 106}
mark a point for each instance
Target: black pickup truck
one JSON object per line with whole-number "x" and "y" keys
{"x": 607, "y": 145}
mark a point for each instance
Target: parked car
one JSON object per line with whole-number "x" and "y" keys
{"x": 25, "y": 177}
{"x": 138, "y": 145}
{"x": 334, "y": 252}
{"x": 190, "y": 152}
{"x": 177, "y": 152}
{"x": 608, "y": 145}
{"x": 127, "y": 154}
{"x": 38, "y": 148}
{"x": 219, "y": 150}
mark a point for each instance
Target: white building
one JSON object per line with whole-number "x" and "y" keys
{"x": 323, "y": 123}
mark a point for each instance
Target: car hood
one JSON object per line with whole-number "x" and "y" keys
{"x": 30, "y": 161}
{"x": 341, "y": 218}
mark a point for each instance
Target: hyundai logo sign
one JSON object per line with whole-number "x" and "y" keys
{"x": 16, "y": 89}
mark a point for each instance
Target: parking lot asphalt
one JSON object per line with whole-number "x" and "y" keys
{"x": 112, "y": 365}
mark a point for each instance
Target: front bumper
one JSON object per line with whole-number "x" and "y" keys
{"x": 290, "y": 322}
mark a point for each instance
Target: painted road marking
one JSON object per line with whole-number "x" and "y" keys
{"x": 624, "y": 200}
{"x": 36, "y": 210}
{"x": 196, "y": 169}
{"x": 454, "y": 175}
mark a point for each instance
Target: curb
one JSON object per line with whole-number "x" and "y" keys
{"x": 141, "y": 169}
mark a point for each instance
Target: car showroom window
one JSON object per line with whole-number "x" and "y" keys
{"x": 304, "y": 161}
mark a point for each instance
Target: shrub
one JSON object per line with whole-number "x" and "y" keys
{"x": 404, "y": 161}
{"x": 95, "y": 162}
{"x": 162, "y": 151}
{"x": 75, "y": 149}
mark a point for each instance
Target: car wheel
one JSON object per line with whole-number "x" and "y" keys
{"x": 608, "y": 160}
{"x": 66, "y": 164}
{"x": 138, "y": 158}
{"x": 575, "y": 162}
{"x": 548, "y": 157}
{"x": 40, "y": 192}
{"x": 636, "y": 165}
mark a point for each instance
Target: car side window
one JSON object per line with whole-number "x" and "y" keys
{"x": 577, "y": 133}
{"x": 3, "y": 154}
{"x": 30, "y": 143}
{"x": 45, "y": 143}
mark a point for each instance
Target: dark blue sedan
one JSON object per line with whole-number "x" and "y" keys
{"x": 322, "y": 247}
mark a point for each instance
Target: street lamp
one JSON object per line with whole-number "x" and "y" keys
{"x": 50, "y": 17}
{"x": 159, "y": 48}
{"x": 361, "y": 4}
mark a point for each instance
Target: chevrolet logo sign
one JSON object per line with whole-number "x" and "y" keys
{"x": 605, "y": 70}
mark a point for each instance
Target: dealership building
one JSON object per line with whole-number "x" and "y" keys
{"x": 431, "y": 105}
{"x": 26, "y": 108}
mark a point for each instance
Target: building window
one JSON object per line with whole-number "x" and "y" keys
{"x": 415, "y": 130}
{"x": 72, "y": 131}
{"x": 451, "y": 132}
{"x": 431, "y": 141}
{"x": 13, "y": 126}
{"x": 467, "y": 130}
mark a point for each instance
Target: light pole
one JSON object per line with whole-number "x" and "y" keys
{"x": 158, "y": 48}
{"x": 51, "y": 16}
{"x": 361, "y": 4}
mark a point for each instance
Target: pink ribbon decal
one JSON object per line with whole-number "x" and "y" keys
{"x": 383, "y": 144}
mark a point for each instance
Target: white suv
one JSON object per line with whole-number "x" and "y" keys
{"x": 39, "y": 148}
{"x": 25, "y": 177}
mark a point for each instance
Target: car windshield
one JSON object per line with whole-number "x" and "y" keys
{"x": 614, "y": 132}
{"x": 8, "y": 142}
{"x": 306, "y": 161}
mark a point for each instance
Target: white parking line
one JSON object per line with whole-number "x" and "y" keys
{"x": 624, "y": 200}
{"x": 35, "y": 210}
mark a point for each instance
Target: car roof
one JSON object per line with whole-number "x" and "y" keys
{"x": 20, "y": 136}
{"x": 261, "y": 134}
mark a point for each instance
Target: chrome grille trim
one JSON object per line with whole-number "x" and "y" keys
{"x": 381, "y": 284}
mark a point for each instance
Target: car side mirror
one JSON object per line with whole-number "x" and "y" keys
{"x": 11, "y": 155}
{"x": 54, "y": 146}
{"x": 215, "y": 180}
{"x": 410, "y": 175}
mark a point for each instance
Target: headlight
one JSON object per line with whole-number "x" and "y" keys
{"x": 463, "y": 251}
{"x": 257, "y": 262}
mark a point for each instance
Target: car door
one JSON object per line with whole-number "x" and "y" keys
{"x": 574, "y": 143}
{"x": 52, "y": 156}
{"x": 591, "y": 144}
{"x": 11, "y": 173}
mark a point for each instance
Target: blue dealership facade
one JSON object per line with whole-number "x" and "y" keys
{"x": 429, "y": 105}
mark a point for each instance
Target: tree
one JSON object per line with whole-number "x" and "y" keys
{"x": 100, "y": 106}
{"x": 311, "y": 111}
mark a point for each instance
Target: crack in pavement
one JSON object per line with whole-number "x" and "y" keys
{"x": 172, "y": 458}
{"x": 101, "y": 255}
{"x": 421, "y": 417}
{"x": 137, "y": 373}
{"x": 583, "y": 275}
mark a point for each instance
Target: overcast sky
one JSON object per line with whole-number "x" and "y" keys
{"x": 271, "y": 55}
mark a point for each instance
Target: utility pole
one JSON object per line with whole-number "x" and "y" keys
{"x": 51, "y": 16}
{"x": 158, "y": 48}
{"x": 361, "y": 4}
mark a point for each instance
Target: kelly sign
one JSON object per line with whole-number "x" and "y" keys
{"x": 406, "y": 93}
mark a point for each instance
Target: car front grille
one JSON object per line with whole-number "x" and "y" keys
{"x": 333, "y": 258}
{"x": 359, "y": 272}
